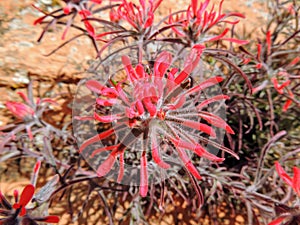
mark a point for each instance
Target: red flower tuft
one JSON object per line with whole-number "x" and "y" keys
{"x": 25, "y": 198}
{"x": 20, "y": 110}
{"x": 292, "y": 182}
{"x": 148, "y": 103}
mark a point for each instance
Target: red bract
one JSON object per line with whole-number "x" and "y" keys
{"x": 277, "y": 221}
{"x": 84, "y": 15}
{"x": 198, "y": 19}
{"x": 81, "y": 7}
{"x": 138, "y": 16}
{"x": 25, "y": 198}
{"x": 114, "y": 16}
{"x": 20, "y": 110}
{"x": 158, "y": 111}
{"x": 284, "y": 86}
{"x": 28, "y": 111}
{"x": 292, "y": 182}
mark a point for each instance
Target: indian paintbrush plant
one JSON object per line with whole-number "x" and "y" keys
{"x": 178, "y": 114}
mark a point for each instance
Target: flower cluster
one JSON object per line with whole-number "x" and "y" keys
{"x": 280, "y": 77}
{"x": 289, "y": 215}
{"x": 29, "y": 110}
{"x": 197, "y": 20}
{"x": 152, "y": 104}
{"x": 139, "y": 17}
{"x": 19, "y": 212}
{"x": 73, "y": 7}
{"x": 285, "y": 77}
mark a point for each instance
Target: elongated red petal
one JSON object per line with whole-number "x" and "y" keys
{"x": 106, "y": 166}
{"x": 140, "y": 107}
{"x": 287, "y": 105}
{"x": 122, "y": 95}
{"x": 205, "y": 84}
{"x": 37, "y": 167}
{"x": 258, "y": 52}
{"x": 156, "y": 4}
{"x": 39, "y": 20}
{"x": 128, "y": 68}
{"x": 215, "y": 38}
{"x": 106, "y": 119}
{"x": 109, "y": 92}
{"x": 49, "y": 100}
{"x": 178, "y": 104}
{"x": 150, "y": 107}
{"x": 294, "y": 61}
{"x": 277, "y": 221}
{"x": 194, "y": 4}
{"x": 24, "y": 97}
{"x": 97, "y": 1}
{"x": 211, "y": 100}
{"x": 96, "y": 138}
{"x": 149, "y": 20}
{"x": 50, "y": 219}
{"x": 16, "y": 195}
{"x": 216, "y": 121}
{"x": 162, "y": 63}
{"x": 198, "y": 149}
{"x": 95, "y": 86}
{"x": 200, "y": 126}
{"x": 155, "y": 154}
{"x": 284, "y": 84}
{"x": 188, "y": 164}
{"x": 238, "y": 41}
{"x": 25, "y": 197}
{"x": 190, "y": 63}
{"x": 284, "y": 176}
{"x": 139, "y": 69}
{"x": 296, "y": 180}
{"x": 143, "y": 176}
{"x": 103, "y": 149}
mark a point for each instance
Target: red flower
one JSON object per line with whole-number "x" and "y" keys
{"x": 20, "y": 209}
{"x": 25, "y": 198}
{"x": 138, "y": 16}
{"x": 114, "y": 16}
{"x": 28, "y": 110}
{"x": 20, "y": 110}
{"x": 197, "y": 20}
{"x": 292, "y": 182}
{"x": 81, "y": 7}
{"x": 288, "y": 101}
{"x": 151, "y": 105}
{"x": 278, "y": 87}
{"x": 84, "y": 15}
